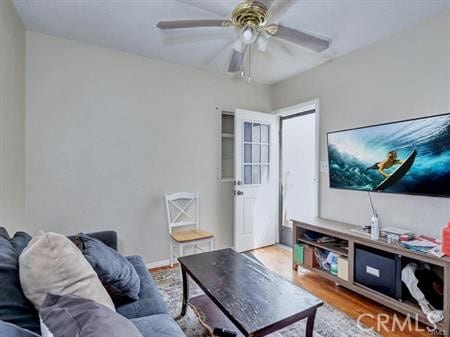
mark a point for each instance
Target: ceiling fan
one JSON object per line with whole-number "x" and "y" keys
{"x": 251, "y": 19}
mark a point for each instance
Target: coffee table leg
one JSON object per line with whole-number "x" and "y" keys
{"x": 185, "y": 292}
{"x": 310, "y": 324}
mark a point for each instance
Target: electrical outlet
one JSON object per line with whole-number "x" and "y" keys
{"x": 323, "y": 166}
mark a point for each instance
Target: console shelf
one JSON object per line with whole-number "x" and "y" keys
{"x": 332, "y": 247}
{"x": 349, "y": 233}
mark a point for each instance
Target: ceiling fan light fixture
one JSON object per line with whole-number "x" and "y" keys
{"x": 248, "y": 35}
{"x": 262, "y": 43}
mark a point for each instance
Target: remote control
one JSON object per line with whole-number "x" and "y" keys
{"x": 224, "y": 333}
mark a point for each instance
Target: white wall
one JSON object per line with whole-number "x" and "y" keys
{"x": 12, "y": 119}
{"x": 404, "y": 76}
{"x": 109, "y": 133}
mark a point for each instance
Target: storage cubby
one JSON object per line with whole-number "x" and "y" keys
{"x": 227, "y": 146}
{"x": 378, "y": 270}
{"x": 313, "y": 241}
{"x": 340, "y": 247}
{"x": 431, "y": 283}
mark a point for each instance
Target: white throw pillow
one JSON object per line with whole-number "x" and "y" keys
{"x": 51, "y": 263}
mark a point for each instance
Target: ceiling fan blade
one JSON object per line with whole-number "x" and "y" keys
{"x": 237, "y": 57}
{"x": 191, "y": 24}
{"x": 235, "y": 62}
{"x": 303, "y": 39}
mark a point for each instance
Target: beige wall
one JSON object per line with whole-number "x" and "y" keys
{"x": 404, "y": 76}
{"x": 12, "y": 119}
{"x": 109, "y": 133}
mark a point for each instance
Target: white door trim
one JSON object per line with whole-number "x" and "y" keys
{"x": 299, "y": 108}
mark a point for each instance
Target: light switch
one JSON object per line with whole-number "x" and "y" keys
{"x": 323, "y": 166}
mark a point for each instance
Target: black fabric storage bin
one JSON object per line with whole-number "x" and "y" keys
{"x": 379, "y": 271}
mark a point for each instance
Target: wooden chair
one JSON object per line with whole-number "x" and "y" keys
{"x": 183, "y": 210}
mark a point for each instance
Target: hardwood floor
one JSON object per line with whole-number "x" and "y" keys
{"x": 278, "y": 259}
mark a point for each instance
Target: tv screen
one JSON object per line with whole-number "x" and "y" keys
{"x": 410, "y": 157}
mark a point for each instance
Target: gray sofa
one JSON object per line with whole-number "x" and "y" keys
{"x": 149, "y": 314}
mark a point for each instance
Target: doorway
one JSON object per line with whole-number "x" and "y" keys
{"x": 298, "y": 170}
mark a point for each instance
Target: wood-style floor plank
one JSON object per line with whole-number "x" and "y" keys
{"x": 279, "y": 260}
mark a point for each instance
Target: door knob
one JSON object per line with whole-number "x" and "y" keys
{"x": 239, "y": 193}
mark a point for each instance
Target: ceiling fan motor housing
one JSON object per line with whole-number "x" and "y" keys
{"x": 250, "y": 14}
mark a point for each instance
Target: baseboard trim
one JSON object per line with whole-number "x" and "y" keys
{"x": 157, "y": 264}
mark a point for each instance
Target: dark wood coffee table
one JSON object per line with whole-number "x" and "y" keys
{"x": 256, "y": 300}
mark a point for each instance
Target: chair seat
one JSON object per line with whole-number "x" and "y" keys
{"x": 191, "y": 235}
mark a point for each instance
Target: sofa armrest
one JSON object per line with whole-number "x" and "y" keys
{"x": 11, "y": 330}
{"x": 150, "y": 301}
{"x": 109, "y": 238}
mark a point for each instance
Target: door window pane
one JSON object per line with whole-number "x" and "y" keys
{"x": 264, "y": 153}
{"x": 256, "y": 174}
{"x": 256, "y": 133}
{"x": 247, "y": 132}
{"x": 256, "y": 150}
{"x": 256, "y": 153}
{"x": 264, "y": 174}
{"x": 264, "y": 133}
{"x": 247, "y": 174}
{"x": 247, "y": 153}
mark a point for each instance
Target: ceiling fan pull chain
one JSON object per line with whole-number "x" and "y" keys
{"x": 249, "y": 63}
{"x": 242, "y": 60}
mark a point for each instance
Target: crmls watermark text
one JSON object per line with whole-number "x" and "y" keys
{"x": 405, "y": 324}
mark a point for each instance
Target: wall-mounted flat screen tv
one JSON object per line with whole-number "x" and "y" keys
{"x": 411, "y": 157}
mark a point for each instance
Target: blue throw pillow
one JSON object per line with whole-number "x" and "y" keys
{"x": 14, "y": 306}
{"x": 116, "y": 273}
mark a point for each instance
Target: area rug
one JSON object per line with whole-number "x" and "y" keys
{"x": 330, "y": 322}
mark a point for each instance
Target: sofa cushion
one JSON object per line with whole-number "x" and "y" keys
{"x": 116, "y": 273}
{"x": 14, "y": 306}
{"x": 51, "y": 263}
{"x": 11, "y": 330}
{"x": 69, "y": 316}
{"x": 150, "y": 301}
{"x": 158, "y": 326}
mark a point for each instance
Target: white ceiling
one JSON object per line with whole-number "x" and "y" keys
{"x": 129, "y": 25}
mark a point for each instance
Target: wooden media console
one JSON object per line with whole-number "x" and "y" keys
{"x": 351, "y": 237}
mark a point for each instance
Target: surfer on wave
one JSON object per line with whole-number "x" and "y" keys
{"x": 390, "y": 161}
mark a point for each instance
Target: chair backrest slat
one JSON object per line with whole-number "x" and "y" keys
{"x": 181, "y": 203}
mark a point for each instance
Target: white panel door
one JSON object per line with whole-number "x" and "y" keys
{"x": 256, "y": 187}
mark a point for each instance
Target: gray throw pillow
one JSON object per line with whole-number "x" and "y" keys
{"x": 69, "y": 316}
{"x": 14, "y": 306}
{"x": 115, "y": 272}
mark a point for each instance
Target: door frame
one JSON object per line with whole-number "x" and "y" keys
{"x": 291, "y": 112}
